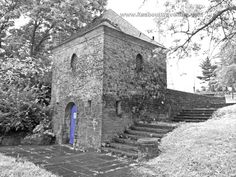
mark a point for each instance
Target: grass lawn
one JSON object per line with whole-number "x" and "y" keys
{"x": 10, "y": 167}
{"x": 206, "y": 149}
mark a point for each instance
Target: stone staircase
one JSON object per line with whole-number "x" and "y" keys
{"x": 194, "y": 115}
{"x": 197, "y": 114}
{"x": 126, "y": 144}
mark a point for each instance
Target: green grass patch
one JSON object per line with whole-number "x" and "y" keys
{"x": 206, "y": 149}
{"x": 12, "y": 167}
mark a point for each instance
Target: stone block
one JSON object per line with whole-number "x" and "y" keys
{"x": 148, "y": 148}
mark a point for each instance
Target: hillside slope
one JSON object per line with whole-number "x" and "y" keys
{"x": 197, "y": 149}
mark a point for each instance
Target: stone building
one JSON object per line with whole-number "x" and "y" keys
{"x": 91, "y": 71}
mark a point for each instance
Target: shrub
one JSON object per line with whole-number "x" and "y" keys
{"x": 24, "y": 94}
{"x": 20, "y": 111}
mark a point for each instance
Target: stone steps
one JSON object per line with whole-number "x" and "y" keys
{"x": 159, "y": 125}
{"x": 125, "y": 140}
{"x": 197, "y": 114}
{"x": 198, "y": 111}
{"x": 189, "y": 120}
{"x": 192, "y": 117}
{"x": 127, "y": 145}
{"x": 120, "y": 152}
{"x": 133, "y": 137}
{"x": 148, "y": 129}
{"x": 124, "y": 147}
{"x": 144, "y": 133}
{"x": 221, "y": 105}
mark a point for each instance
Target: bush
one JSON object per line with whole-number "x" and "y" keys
{"x": 20, "y": 111}
{"x": 42, "y": 135}
{"x": 24, "y": 94}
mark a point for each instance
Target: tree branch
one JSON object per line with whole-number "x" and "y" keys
{"x": 218, "y": 14}
{"x": 44, "y": 37}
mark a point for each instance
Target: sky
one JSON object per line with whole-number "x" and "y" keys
{"x": 181, "y": 74}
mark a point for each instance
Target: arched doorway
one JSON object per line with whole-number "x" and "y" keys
{"x": 73, "y": 117}
{"x": 69, "y": 128}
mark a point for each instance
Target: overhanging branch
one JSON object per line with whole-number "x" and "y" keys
{"x": 215, "y": 16}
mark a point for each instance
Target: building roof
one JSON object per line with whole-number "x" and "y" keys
{"x": 121, "y": 24}
{"x": 113, "y": 20}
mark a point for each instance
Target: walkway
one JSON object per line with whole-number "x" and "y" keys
{"x": 66, "y": 162}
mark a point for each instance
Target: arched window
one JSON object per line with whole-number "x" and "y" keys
{"x": 89, "y": 106}
{"x": 139, "y": 63}
{"x": 118, "y": 108}
{"x": 74, "y": 62}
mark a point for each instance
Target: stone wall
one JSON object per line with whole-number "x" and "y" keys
{"x": 178, "y": 100}
{"x": 120, "y": 52}
{"x": 79, "y": 82}
{"x": 96, "y": 71}
{"x": 98, "y": 81}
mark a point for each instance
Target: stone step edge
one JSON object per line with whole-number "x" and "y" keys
{"x": 170, "y": 125}
{"x": 150, "y": 129}
{"x": 124, "y": 147}
{"x": 135, "y": 137}
{"x": 194, "y": 114}
{"x": 147, "y": 134}
{"x": 191, "y": 117}
{"x": 118, "y": 151}
{"x": 200, "y": 109}
{"x": 188, "y": 120}
{"x": 124, "y": 140}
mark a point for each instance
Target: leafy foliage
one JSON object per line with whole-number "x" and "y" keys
{"x": 25, "y": 83}
{"x": 24, "y": 93}
{"x": 9, "y": 10}
{"x": 151, "y": 81}
{"x": 226, "y": 73}
{"x": 213, "y": 22}
{"x": 195, "y": 25}
{"x": 208, "y": 72}
{"x": 150, "y": 85}
{"x": 50, "y": 19}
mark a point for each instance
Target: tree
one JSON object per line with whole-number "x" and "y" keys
{"x": 24, "y": 94}
{"x": 208, "y": 72}
{"x": 192, "y": 26}
{"x": 226, "y": 73}
{"x": 25, "y": 83}
{"x": 47, "y": 19}
{"x": 9, "y": 11}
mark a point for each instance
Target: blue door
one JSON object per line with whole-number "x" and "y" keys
{"x": 73, "y": 123}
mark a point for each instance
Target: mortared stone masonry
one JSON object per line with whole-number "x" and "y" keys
{"x": 92, "y": 69}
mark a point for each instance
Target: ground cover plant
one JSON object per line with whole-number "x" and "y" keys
{"x": 197, "y": 149}
{"x": 15, "y": 167}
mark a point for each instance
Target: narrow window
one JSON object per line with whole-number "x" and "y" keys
{"x": 118, "y": 108}
{"x": 74, "y": 62}
{"x": 90, "y": 106}
{"x": 139, "y": 63}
